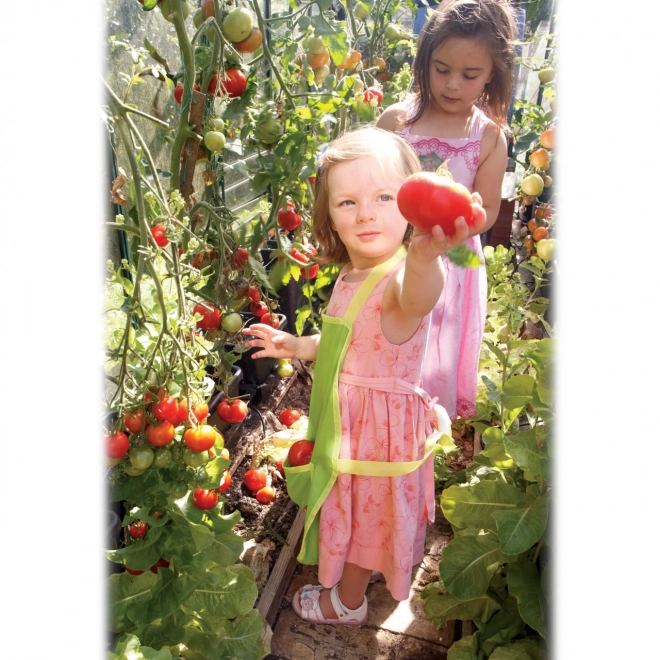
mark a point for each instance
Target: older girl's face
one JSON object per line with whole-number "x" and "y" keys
{"x": 459, "y": 71}
{"x": 364, "y": 212}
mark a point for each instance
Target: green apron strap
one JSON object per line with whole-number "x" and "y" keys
{"x": 370, "y": 283}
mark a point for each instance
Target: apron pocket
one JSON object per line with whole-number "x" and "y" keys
{"x": 299, "y": 482}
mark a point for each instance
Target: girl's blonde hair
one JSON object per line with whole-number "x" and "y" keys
{"x": 389, "y": 150}
{"x": 488, "y": 21}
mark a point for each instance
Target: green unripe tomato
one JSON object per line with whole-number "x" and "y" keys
{"x": 194, "y": 459}
{"x": 197, "y": 18}
{"x": 200, "y": 477}
{"x": 132, "y": 471}
{"x": 232, "y": 322}
{"x": 392, "y": 32}
{"x": 358, "y": 85}
{"x": 141, "y": 457}
{"x": 321, "y": 74}
{"x": 361, "y": 10}
{"x": 545, "y": 248}
{"x": 177, "y": 453}
{"x": 162, "y": 457}
{"x": 546, "y": 75}
{"x": 167, "y": 8}
{"x": 217, "y": 124}
{"x": 280, "y": 361}
{"x": 237, "y": 24}
{"x": 532, "y": 185}
{"x": 330, "y": 81}
{"x": 214, "y": 140}
{"x": 178, "y": 490}
{"x": 315, "y": 45}
{"x": 285, "y": 370}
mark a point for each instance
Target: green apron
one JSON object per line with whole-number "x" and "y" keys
{"x": 309, "y": 485}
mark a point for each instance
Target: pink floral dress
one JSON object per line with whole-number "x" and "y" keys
{"x": 451, "y": 367}
{"x": 378, "y": 523}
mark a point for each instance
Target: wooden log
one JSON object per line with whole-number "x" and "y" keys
{"x": 280, "y": 577}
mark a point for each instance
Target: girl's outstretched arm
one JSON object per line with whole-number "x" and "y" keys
{"x": 279, "y": 344}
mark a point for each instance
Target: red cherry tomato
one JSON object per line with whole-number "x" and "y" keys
{"x": 299, "y": 256}
{"x": 225, "y": 482}
{"x": 160, "y": 435}
{"x": 116, "y": 445}
{"x": 289, "y": 416}
{"x": 204, "y": 498}
{"x": 161, "y": 562}
{"x": 259, "y": 308}
{"x": 178, "y": 92}
{"x": 138, "y": 529}
{"x": 373, "y": 93}
{"x": 199, "y": 439}
{"x": 253, "y": 293}
{"x": 211, "y": 316}
{"x": 300, "y": 453}
{"x": 133, "y": 421}
{"x": 280, "y": 466}
{"x": 288, "y": 219}
{"x": 234, "y": 83}
{"x": 426, "y": 199}
{"x": 271, "y": 319}
{"x": 166, "y": 410}
{"x": 310, "y": 272}
{"x": 158, "y": 232}
{"x": 201, "y": 411}
{"x": 266, "y": 495}
{"x": 241, "y": 257}
{"x": 132, "y": 571}
{"x": 255, "y": 479}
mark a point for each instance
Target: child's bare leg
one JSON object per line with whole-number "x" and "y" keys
{"x": 352, "y": 587}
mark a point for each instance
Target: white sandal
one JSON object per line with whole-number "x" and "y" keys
{"x": 307, "y": 607}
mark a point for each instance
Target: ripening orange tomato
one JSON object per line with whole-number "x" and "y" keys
{"x": 540, "y": 158}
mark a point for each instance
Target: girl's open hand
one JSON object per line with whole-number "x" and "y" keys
{"x": 275, "y": 343}
{"x": 430, "y": 245}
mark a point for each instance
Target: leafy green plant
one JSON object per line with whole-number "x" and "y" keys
{"x": 496, "y": 570}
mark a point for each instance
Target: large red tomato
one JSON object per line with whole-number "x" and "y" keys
{"x": 211, "y": 316}
{"x": 160, "y": 435}
{"x": 259, "y": 308}
{"x": 311, "y": 272}
{"x": 288, "y": 219}
{"x": 426, "y": 199}
{"x": 373, "y": 93}
{"x": 289, "y": 416}
{"x": 234, "y": 83}
{"x": 300, "y": 453}
{"x": 241, "y": 257}
{"x": 232, "y": 411}
{"x": 166, "y": 410}
{"x": 200, "y": 438}
{"x": 251, "y": 42}
{"x": 204, "y": 499}
{"x": 271, "y": 319}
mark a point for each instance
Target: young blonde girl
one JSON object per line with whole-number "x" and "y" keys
{"x": 365, "y": 522}
{"x": 463, "y": 75}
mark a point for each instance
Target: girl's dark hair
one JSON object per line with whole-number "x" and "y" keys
{"x": 390, "y": 151}
{"x": 491, "y": 23}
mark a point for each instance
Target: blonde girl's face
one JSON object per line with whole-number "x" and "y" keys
{"x": 364, "y": 211}
{"x": 459, "y": 71}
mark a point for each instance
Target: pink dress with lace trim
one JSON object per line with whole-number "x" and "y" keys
{"x": 378, "y": 523}
{"x": 452, "y": 365}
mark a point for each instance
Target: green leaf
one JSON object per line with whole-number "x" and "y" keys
{"x": 443, "y": 608}
{"x": 520, "y": 529}
{"x": 503, "y": 627}
{"x": 128, "y": 594}
{"x": 140, "y": 555}
{"x": 301, "y": 316}
{"x": 527, "y": 648}
{"x": 226, "y": 549}
{"x": 524, "y": 450}
{"x": 164, "y": 633}
{"x": 243, "y": 637}
{"x": 498, "y": 352}
{"x": 517, "y": 391}
{"x": 228, "y": 593}
{"x": 214, "y": 469}
{"x": 461, "y": 255}
{"x": 473, "y": 506}
{"x": 525, "y": 585}
{"x": 466, "y": 648}
{"x": 261, "y": 273}
{"x": 133, "y": 488}
{"x": 467, "y": 564}
{"x": 167, "y": 595}
{"x": 128, "y": 647}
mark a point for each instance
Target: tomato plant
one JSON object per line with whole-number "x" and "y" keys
{"x": 289, "y": 416}
{"x": 204, "y": 498}
{"x": 232, "y": 411}
{"x": 255, "y": 479}
{"x": 200, "y": 439}
{"x": 300, "y": 452}
{"x": 116, "y": 445}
